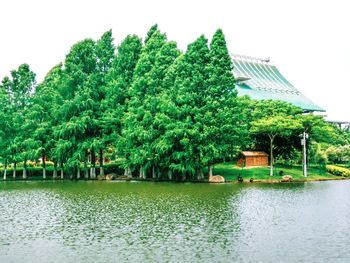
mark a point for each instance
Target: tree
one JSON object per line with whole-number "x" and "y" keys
{"x": 138, "y": 132}
{"x": 280, "y": 125}
{"x": 150, "y": 32}
{"x": 5, "y": 128}
{"x": 118, "y": 81}
{"x": 186, "y": 79}
{"x": 42, "y": 118}
{"x": 224, "y": 126}
{"x": 104, "y": 52}
{"x": 19, "y": 88}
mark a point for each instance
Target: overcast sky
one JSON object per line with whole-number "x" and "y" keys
{"x": 308, "y": 40}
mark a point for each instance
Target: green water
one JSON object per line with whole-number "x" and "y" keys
{"x": 168, "y": 222}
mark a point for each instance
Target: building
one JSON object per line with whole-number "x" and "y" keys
{"x": 251, "y": 159}
{"x": 260, "y": 79}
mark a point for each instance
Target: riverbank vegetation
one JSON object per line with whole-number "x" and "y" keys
{"x": 151, "y": 109}
{"x": 262, "y": 174}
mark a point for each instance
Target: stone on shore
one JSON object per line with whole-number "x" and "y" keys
{"x": 110, "y": 176}
{"x": 216, "y": 179}
{"x": 287, "y": 178}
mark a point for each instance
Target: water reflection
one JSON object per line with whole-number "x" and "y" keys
{"x": 156, "y": 222}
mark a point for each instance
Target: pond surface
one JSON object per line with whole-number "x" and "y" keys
{"x": 169, "y": 222}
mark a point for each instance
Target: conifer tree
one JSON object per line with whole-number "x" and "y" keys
{"x": 222, "y": 120}
{"x": 187, "y": 98}
{"x": 5, "y": 128}
{"x": 19, "y": 87}
{"x": 118, "y": 81}
{"x": 141, "y": 127}
{"x": 42, "y": 118}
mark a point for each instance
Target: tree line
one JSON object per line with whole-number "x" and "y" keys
{"x": 161, "y": 112}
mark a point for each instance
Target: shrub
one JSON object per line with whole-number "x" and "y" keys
{"x": 339, "y": 171}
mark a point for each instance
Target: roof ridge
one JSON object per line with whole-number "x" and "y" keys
{"x": 266, "y": 60}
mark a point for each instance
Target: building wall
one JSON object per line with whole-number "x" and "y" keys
{"x": 256, "y": 161}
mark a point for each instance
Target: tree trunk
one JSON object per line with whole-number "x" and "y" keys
{"x": 210, "y": 170}
{"x": 54, "y": 170}
{"x": 78, "y": 172}
{"x": 5, "y": 171}
{"x": 154, "y": 176}
{"x": 200, "y": 175}
{"x": 127, "y": 172}
{"x": 44, "y": 164}
{"x": 271, "y": 154}
{"x": 24, "y": 175}
{"x": 102, "y": 171}
{"x": 93, "y": 165}
{"x": 86, "y": 169}
{"x": 62, "y": 171}
{"x": 142, "y": 172}
{"x": 170, "y": 175}
{"x": 14, "y": 170}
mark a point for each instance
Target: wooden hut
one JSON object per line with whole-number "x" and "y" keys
{"x": 253, "y": 158}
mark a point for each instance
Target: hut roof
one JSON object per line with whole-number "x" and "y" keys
{"x": 259, "y": 79}
{"x": 253, "y": 153}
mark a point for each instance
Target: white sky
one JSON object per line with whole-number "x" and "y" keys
{"x": 308, "y": 40}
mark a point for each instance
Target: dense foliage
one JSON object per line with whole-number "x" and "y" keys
{"x": 160, "y": 112}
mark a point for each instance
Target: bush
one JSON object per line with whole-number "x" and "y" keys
{"x": 339, "y": 171}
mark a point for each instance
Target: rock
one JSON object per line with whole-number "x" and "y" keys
{"x": 110, "y": 176}
{"x": 287, "y": 178}
{"x": 216, "y": 179}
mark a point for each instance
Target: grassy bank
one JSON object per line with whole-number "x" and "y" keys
{"x": 230, "y": 171}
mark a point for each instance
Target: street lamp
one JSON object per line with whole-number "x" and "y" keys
{"x": 304, "y": 136}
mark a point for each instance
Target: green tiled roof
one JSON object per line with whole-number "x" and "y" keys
{"x": 259, "y": 79}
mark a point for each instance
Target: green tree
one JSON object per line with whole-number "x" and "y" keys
{"x": 187, "y": 79}
{"x": 42, "y": 118}
{"x": 223, "y": 119}
{"x": 5, "y": 128}
{"x": 118, "y": 81}
{"x": 19, "y": 86}
{"x": 279, "y": 125}
{"x": 139, "y": 134}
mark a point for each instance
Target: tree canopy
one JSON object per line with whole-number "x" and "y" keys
{"x": 158, "y": 111}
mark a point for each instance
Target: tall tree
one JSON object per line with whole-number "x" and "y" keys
{"x": 19, "y": 87}
{"x": 118, "y": 82}
{"x": 187, "y": 79}
{"x": 138, "y": 119}
{"x": 105, "y": 53}
{"x": 42, "y": 118}
{"x": 224, "y": 128}
{"x": 5, "y": 128}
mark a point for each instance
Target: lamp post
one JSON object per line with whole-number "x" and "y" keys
{"x": 305, "y": 136}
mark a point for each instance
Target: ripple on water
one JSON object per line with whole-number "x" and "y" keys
{"x": 148, "y": 222}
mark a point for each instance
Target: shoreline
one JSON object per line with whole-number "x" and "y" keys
{"x": 245, "y": 181}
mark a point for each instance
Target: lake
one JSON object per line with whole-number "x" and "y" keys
{"x": 174, "y": 222}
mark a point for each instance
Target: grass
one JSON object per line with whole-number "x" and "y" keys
{"x": 230, "y": 171}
